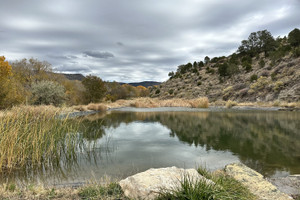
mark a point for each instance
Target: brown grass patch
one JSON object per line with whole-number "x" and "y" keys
{"x": 199, "y": 103}
{"x": 97, "y": 107}
{"x": 230, "y": 104}
{"x": 276, "y": 103}
{"x": 146, "y": 102}
{"x": 80, "y": 108}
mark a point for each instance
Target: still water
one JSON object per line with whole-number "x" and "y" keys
{"x": 122, "y": 143}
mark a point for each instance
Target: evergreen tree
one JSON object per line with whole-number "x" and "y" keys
{"x": 294, "y": 37}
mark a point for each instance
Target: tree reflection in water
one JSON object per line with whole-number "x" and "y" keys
{"x": 265, "y": 141}
{"x": 268, "y": 142}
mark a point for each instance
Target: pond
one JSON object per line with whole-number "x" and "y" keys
{"x": 122, "y": 143}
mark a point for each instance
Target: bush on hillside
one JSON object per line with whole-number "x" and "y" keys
{"x": 253, "y": 77}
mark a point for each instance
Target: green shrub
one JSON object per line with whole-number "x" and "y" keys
{"x": 171, "y": 91}
{"x": 94, "y": 88}
{"x": 294, "y": 37}
{"x": 199, "y": 83}
{"x": 247, "y": 59}
{"x": 110, "y": 191}
{"x": 157, "y": 91}
{"x": 296, "y": 52}
{"x": 48, "y": 92}
{"x": 253, "y": 77}
{"x": 247, "y": 66}
{"x": 273, "y": 76}
{"x": 222, "y": 69}
{"x": 262, "y": 63}
{"x": 210, "y": 70}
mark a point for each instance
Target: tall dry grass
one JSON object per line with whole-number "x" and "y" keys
{"x": 200, "y": 102}
{"x": 147, "y": 102}
{"x": 230, "y": 104}
{"x": 276, "y": 103}
{"x": 97, "y": 107}
{"x": 35, "y": 136}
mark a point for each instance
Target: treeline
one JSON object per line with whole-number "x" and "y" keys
{"x": 260, "y": 45}
{"x": 34, "y": 82}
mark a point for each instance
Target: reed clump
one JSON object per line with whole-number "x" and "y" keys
{"x": 230, "y": 104}
{"x": 223, "y": 187}
{"x": 35, "y": 136}
{"x": 201, "y": 102}
{"x": 97, "y": 107}
{"x": 146, "y": 102}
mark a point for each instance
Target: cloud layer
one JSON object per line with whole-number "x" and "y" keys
{"x": 135, "y": 40}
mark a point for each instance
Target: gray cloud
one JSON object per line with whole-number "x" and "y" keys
{"x": 98, "y": 54}
{"x": 139, "y": 40}
{"x": 120, "y": 44}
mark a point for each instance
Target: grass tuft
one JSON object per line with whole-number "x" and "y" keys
{"x": 225, "y": 188}
{"x": 97, "y": 107}
{"x": 230, "y": 104}
{"x": 199, "y": 103}
{"x": 110, "y": 191}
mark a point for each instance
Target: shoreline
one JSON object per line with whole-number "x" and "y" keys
{"x": 183, "y": 109}
{"x": 199, "y": 103}
{"x": 107, "y": 188}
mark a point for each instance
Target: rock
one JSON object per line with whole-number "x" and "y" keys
{"x": 255, "y": 182}
{"x": 289, "y": 185}
{"x": 148, "y": 184}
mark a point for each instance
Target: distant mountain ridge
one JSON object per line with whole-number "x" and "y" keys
{"x": 143, "y": 83}
{"x": 80, "y": 77}
{"x": 73, "y": 77}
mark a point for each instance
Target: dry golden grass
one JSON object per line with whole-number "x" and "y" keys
{"x": 33, "y": 136}
{"x": 110, "y": 190}
{"x": 276, "y": 103}
{"x": 36, "y": 110}
{"x": 291, "y": 104}
{"x": 230, "y": 104}
{"x": 10, "y": 191}
{"x": 218, "y": 103}
{"x": 155, "y": 102}
{"x": 96, "y": 107}
{"x": 200, "y": 102}
{"x": 80, "y": 108}
{"x": 175, "y": 103}
{"x": 146, "y": 102}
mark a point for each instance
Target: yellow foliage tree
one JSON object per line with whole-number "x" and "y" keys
{"x": 142, "y": 91}
{"x": 5, "y": 68}
{"x": 5, "y": 73}
{"x": 12, "y": 91}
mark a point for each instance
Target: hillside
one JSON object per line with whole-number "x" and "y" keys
{"x": 255, "y": 73}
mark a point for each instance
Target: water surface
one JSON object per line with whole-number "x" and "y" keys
{"x": 121, "y": 143}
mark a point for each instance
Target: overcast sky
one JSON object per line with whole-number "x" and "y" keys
{"x": 135, "y": 40}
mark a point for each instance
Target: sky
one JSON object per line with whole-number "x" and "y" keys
{"x": 135, "y": 40}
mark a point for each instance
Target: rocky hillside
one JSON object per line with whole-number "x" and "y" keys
{"x": 264, "y": 73}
